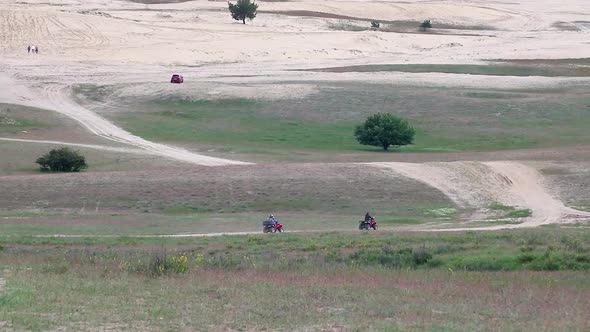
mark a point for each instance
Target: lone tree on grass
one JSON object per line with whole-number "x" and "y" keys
{"x": 385, "y": 130}
{"x": 62, "y": 160}
{"x": 243, "y": 9}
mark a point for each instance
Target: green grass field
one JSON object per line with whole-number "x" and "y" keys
{"x": 447, "y": 120}
{"x": 369, "y": 282}
{"x": 241, "y": 125}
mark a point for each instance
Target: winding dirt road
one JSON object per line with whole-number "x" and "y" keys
{"x": 60, "y": 101}
{"x": 57, "y": 97}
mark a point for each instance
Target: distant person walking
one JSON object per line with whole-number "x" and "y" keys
{"x": 37, "y": 49}
{"x": 29, "y": 49}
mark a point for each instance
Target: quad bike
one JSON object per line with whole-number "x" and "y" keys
{"x": 370, "y": 224}
{"x": 270, "y": 227}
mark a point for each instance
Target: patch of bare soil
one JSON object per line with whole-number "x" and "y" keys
{"x": 288, "y": 187}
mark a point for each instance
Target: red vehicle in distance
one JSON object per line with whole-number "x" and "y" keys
{"x": 177, "y": 79}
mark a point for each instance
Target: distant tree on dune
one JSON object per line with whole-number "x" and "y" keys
{"x": 243, "y": 9}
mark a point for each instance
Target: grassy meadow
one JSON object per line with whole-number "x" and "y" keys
{"x": 446, "y": 120}
{"x": 84, "y": 251}
{"x": 333, "y": 281}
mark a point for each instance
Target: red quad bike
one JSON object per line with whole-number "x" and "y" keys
{"x": 269, "y": 227}
{"x": 371, "y": 224}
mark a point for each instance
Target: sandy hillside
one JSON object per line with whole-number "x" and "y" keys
{"x": 197, "y": 32}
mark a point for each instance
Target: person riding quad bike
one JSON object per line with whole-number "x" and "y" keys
{"x": 271, "y": 225}
{"x": 368, "y": 223}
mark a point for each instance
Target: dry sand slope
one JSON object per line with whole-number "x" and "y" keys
{"x": 197, "y": 32}
{"x": 478, "y": 184}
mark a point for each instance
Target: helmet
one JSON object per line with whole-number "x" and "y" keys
{"x": 271, "y": 216}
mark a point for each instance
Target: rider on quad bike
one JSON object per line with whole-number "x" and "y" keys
{"x": 271, "y": 225}
{"x": 368, "y": 223}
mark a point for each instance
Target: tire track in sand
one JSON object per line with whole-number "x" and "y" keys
{"x": 478, "y": 184}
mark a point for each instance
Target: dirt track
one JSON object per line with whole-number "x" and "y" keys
{"x": 478, "y": 184}
{"x": 57, "y": 98}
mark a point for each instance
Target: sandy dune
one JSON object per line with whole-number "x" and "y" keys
{"x": 197, "y": 32}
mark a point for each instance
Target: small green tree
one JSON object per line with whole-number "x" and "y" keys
{"x": 62, "y": 160}
{"x": 375, "y": 24}
{"x": 385, "y": 130}
{"x": 243, "y": 9}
